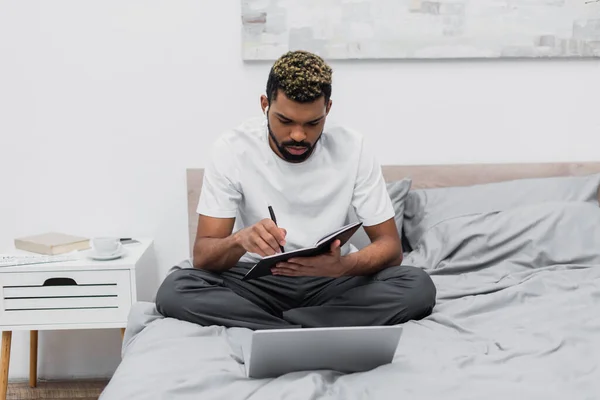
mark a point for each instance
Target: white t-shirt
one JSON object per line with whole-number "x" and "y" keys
{"x": 310, "y": 199}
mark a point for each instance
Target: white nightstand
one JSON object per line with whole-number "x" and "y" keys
{"x": 80, "y": 294}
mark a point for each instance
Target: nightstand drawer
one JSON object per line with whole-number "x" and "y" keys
{"x": 64, "y": 297}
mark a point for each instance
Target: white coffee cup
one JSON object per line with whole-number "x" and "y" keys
{"x": 106, "y": 246}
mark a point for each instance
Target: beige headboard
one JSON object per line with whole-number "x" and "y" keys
{"x": 429, "y": 176}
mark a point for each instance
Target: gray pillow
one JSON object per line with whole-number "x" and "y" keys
{"x": 510, "y": 243}
{"x": 398, "y": 190}
{"x": 424, "y": 208}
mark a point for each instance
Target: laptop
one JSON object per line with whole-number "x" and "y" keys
{"x": 272, "y": 353}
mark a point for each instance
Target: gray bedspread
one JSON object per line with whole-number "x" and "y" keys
{"x": 518, "y": 316}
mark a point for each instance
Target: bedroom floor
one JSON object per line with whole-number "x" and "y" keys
{"x": 56, "y": 390}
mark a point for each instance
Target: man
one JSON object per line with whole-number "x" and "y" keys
{"x": 311, "y": 176}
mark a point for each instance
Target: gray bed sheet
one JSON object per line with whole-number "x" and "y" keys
{"x": 518, "y": 316}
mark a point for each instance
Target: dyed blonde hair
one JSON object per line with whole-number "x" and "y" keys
{"x": 303, "y": 76}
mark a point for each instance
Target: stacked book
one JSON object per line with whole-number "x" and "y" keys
{"x": 52, "y": 243}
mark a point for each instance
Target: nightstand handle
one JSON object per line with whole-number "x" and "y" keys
{"x": 60, "y": 282}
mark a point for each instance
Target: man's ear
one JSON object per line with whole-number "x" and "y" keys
{"x": 264, "y": 103}
{"x": 329, "y": 107}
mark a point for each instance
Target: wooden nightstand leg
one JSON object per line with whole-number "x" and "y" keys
{"x": 122, "y": 333}
{"x": 6, "y": 339}
{"x": 33, "y": 358}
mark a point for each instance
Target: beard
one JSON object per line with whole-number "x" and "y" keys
{"x": 295, "y": 158}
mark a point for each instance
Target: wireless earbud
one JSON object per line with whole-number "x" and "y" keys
{"x": 266, "y": 110}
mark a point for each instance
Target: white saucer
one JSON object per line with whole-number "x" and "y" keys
{"x": 105, "y": 257}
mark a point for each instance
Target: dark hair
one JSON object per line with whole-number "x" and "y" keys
{"x": 302, "y": 76}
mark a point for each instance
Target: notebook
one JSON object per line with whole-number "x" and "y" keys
{"x": 322, "y": 246}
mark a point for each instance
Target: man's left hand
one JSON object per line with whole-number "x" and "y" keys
{"x": 326, "y": 265}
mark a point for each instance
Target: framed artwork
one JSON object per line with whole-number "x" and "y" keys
{"x": 421, "y": 29}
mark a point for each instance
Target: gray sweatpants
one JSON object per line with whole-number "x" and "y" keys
{"x": 392, "y": 296}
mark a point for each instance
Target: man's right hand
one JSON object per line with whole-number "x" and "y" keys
{"x": 263, "y": 238}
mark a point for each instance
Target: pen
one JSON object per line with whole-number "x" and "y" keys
{"x": 275, "y": 220}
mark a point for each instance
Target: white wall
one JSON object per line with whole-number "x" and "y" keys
{"x": 103, "y": 105}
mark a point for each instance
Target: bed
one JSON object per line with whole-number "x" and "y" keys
{"x": 514, "y": 251}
